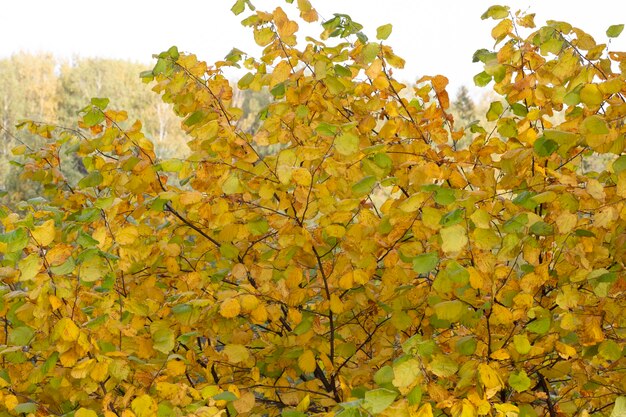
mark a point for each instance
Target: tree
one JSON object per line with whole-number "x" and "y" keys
{"x": 365, "y": 266}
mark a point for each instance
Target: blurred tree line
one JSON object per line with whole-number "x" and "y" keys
{"x": 44, "y": 88}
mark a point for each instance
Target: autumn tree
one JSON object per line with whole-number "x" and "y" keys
{"x": 364, "y": 266}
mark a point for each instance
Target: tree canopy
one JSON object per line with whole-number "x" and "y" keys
{"x": 347, "y": 257}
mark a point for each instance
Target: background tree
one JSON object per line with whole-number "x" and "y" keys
{"x": 259, "y": 276}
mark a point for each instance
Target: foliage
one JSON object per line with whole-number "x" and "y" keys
{"x": 364, "y": 266}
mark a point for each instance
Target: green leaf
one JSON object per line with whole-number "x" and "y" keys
{"x": 245, "y": 81}
{"x": 443, "y": 366}
{"x": 384, "y": 375}
{"x": 584, "y": 233}
{"x": 100, "y": 103}
{"x": 545, "y": 147}
{"x": 347, "y": 143}
{"x": 521, "y": 343}
{"x": 278, "y": 91}
{"x": 365, "y": 186}
{"x": 194, "y": 118}
{"x": 519, "y": 109}
{"x": 164, "y": 340}
{"x": 619, "y": 409}
{"x": 229, "y": 251}
{"x": 171, "y": 165}
{"x": 451, "y": 311}
{"x": 425, "y": 262}
{"x": 452, "y": 218}
{"x": 65, "y": 268}
{"x": 21, "y": 336}
{"x": 496, "y": 12}
{"x": 16, "y": 240}
{"x": 483, "y": 55}
{"x": 292, "y": 413}
{"x": 225, "y": 396}
{"x": 370, "y": 52}
{"x": 595, "y": 125}
{"x": 27, "y": 408}
{"x": 516, "y": 223}
{"x": 619, "y": 164}
{"x": 614, "y": 30}
{"x": 539, "y": 326}
{"x": 86, "y": 241}
{"x": 93, "y": 117}
{"x": 415, "y": 396}
{"x": 383, "y": 32}
{"x": 466, "y": 345}
{"x": 378, "y": 400}
{"x": 258, "y": 227}
{"x": 238, "y": 7}
{"x": 495, "y": 110}
{"x": 519, "y": 381}
{"x": 482, "y": 79}
{"x": 92, "y": 179}
{"x": 541, "y": 229}
{"x": 326, "y": 129}
{"x": 507, "y": 127}
{"x": 610, "y": 350}
{"x": 342, "y": 71}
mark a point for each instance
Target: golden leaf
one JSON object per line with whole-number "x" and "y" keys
{"x": 306, "y": 361}
{"x": 230, "y": 308}
{"x": 44, "y": 234}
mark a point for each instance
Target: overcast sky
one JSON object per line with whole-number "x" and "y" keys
{"x": 435, "y": 37}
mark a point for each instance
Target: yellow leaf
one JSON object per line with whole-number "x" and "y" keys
{"x": 454, "y": 238}
{"x": 259, "y": 314}
{"x": 306, "y": 361}
{"x": 302, "y": 176}
{"x": 236, "y": 353}
{"x": 335, "y": 230}
{"x": 66, "y": 330}
{"x": 176, "y": 367}
{"x": 30, "y": 267}
{"x": 405, "y": 373}
{"x": 81, "y": 369}
{"x": 566, "y": 221}
{"x": 10, "y": 401}
{"x": 190, "y": 197}
{"x": 425, "y": 410}
{"x": 99, "y": 371}
{"x": 500, "y": 355}
{"x": 346, "y": 281}
{"x": 144, "y": 406}
{"x": 360, "y": 276}
{"x": 248, "y": 302}
{"x": 489, "y": 377}
{"x": 565, "y": 351}
{"x": 591, "y": 95}
{"x": 374, "y": 69}
{"x": 336, "y": 306}
{"x": 83, "y": 412}
{"x": 93, "y": 269}
{"x": 280, "y": 73}
{"x": 44, "y": 234}
{"x": 230, "y": 308}
{"x": 244, "y": 403}
{"x": 127, "y": 235}
{"x": 595, "y": 189}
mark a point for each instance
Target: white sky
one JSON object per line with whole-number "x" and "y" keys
{"x": 434, "y": 37}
